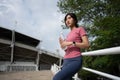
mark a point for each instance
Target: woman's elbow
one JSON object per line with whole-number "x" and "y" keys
{"x": 87, "y": 45}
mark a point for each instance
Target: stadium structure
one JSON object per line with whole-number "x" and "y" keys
{"x": 19, "y": 52}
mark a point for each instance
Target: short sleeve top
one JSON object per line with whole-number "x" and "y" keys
{"x": 75, "y": 35}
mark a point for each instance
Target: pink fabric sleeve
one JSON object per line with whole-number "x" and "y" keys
{"x": 82, "y": 31}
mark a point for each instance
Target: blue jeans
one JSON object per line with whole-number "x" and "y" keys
{"x": 70, "y": 67}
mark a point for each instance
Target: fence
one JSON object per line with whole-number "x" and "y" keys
{"x": 18, "y": 66}
{"x": 55, "y": 68}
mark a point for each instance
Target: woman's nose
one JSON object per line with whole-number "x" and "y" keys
{"x": 67, "y": 21}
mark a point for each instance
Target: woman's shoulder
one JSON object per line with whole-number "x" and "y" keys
{"x": 81, "y": 28}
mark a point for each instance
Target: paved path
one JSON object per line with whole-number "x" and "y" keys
{"x": 28, "y": 75}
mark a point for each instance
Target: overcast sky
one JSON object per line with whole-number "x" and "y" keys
{"x": 39, "y": 19}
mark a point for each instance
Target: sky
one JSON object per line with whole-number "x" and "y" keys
{"x": 39, "y": 19}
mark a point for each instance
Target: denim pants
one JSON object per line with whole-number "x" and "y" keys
{"x": 70, "y": 67}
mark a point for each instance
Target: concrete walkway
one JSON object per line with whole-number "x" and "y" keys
{"x": 28, "y": 75}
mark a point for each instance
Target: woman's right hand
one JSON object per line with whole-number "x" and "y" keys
{"x": 62, "y": 43}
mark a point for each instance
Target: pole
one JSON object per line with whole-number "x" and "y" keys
{"x": 12, "y": 45}
{"x": 38, "y": 58}
{"x": 60, "y": 59}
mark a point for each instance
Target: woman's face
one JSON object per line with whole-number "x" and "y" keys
{"x": 70, "y": 21}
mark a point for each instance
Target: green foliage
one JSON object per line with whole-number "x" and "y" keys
{"x": 90, "y": 76}
{"x": 107, "y": 33}
{"x": 86, "y": 10}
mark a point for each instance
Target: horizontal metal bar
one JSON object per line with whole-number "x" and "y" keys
{"x": 102, "y": 73}
{"x": 108, "y": 51}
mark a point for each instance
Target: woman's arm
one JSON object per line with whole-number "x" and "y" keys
{"x": 83, "y": 44}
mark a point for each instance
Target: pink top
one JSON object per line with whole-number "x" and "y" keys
{"x": 74, "y": 35}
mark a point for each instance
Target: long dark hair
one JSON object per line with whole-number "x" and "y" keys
{"x": 73, "y": 16}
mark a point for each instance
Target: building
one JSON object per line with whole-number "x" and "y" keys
{"x": 19, "y": 52}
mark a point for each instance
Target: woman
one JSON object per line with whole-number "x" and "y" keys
{"x": 75, "y": 40}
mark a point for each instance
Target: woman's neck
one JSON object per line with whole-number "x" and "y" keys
{"x": 71, "y": 28}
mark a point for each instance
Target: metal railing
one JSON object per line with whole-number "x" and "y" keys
{"x": 108, "y": 51}
{"x": 102, "y": 73}
{"x": 55, "y": 68}
{"x": 17, "y": 66}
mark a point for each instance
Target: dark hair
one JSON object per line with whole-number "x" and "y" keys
{"x": 73, "y": 16}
